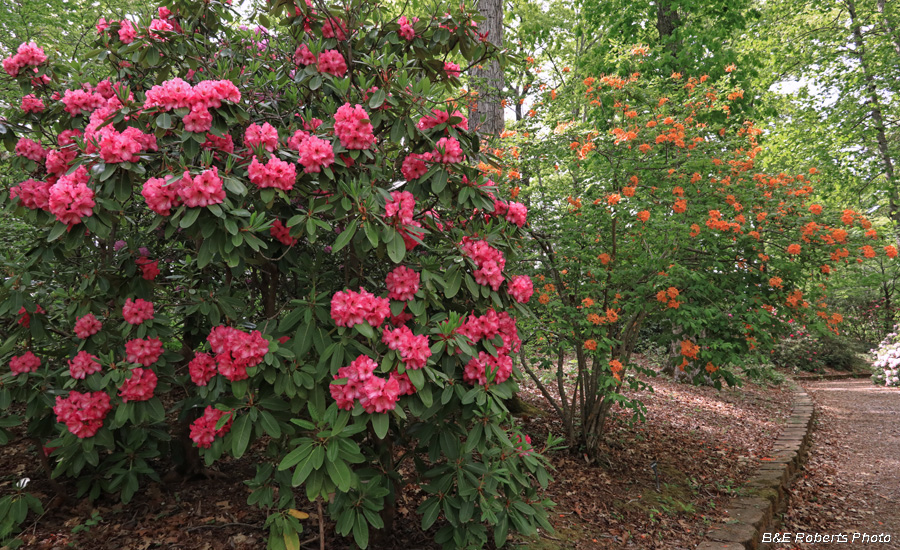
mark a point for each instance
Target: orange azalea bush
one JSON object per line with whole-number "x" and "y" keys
{"x": 659, "y": 214}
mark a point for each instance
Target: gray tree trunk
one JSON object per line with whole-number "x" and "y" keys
{"x": 490, "y": 77}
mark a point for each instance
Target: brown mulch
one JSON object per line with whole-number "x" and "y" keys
{"x": 851, "y": 483}
{"x": 706, "y": 443}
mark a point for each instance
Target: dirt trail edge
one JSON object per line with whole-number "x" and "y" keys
{"x": 850, "y": 491}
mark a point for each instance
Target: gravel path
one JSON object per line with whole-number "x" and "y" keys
{"x": 852, "y": 479}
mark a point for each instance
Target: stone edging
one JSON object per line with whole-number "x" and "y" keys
{"x": 765, "y": 494}
{"x": 841, "y": 376}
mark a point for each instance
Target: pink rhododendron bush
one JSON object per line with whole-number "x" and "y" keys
{"x": 274, "y": 238}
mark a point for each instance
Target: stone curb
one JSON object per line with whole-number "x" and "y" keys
{"x": 765, "y": 494}
{"x": 844, "y": 376}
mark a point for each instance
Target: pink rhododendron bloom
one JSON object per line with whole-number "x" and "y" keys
{"x": 25, "y": 363}
{"x": 332, "y": 62}
{"x": 203, "y": 430}
{"x": 352, "y": 127}
{"x": 414, "y": 166}
{"x": 523, "y": 448}
{"x": 414, "y": 349}
{"x": 82, "y": 413}
{"x": 143, "y": 351}
{"x": 489, "y": 261}
{"x": 265, "y": 136}
{"x": 137, "y": 311}
{"x": 303, "y": 56}
{"x": 160, "y": 25}
{"x": 198, "y": 120}
{"x": 357, "y": 373}
{"x": 32, "y": 104}
{"x": 67, "y": 137}
{"x": 275, "y": 173}
{"x": 452, "y": 69}
{"x": 28, "y": 55}
{"x": 405, "y": 386}
{"x": 490, "y": 325}
{"x": 202, "y": 190}
{"x": 127, "y": 32}
{"x": 70, "y": 197}
{"x": 477, "y": 369}
{"x": 448, "y": 151}
{"x": 406, "y": 29}
{"x": 30, "y": 149}
{"x": 149, "y": 270}
{"x": 202, "y": 368}
{"x": 83, "y": 364}
{"x": 402, "y": 283}
{"x": 139, "y": 387}
{"x": 334, "y": 28}
{"x": 164, "y": 12}
{"x": 437, "y": 117}
{"x": 521, "y": 288}
{"x": 87, "y": 326}
{"x": 32, "y": 194}
{"x": 59, "y": 162}
{"x": 25, "y": 319}
{"x": 78, "y": 102}
{"x": 517, "y": 213}
{"x": 161, "y": 194}
{"x": 379, "y": 395}
{"x": 102, "y": 25}
{"x": 121, "y": 147}
{"x": 224, "y": 143}
{"x": 400, "y": 206}
{"x": 315, "y": 154}
{"x": 349, "y": 308}
{"x": 236, "y": 351}
{"x": 282, "y": 234}
{"x": 171, "y": 94}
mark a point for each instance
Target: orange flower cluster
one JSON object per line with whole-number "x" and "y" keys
{"x": 616, "y": 367}
{"x": 710, "y": 368}
{"x": 544, "y": 299}
{"x": 669, "y": 297}
{"x": 775, "y": 282}
{"x": 795, "y": 299}
{"x": 680, "y": 206}
{"x": 595, "y": 319}
{"x": 689, "y": 349}
{"x": 643, "y": 215}
{"x": 590, "y": 345}
{"x": 793, "y": 249}
{"x": 891, "y": 251}
{"x": 587, "y": 302}
{"x": 604, "y": 258}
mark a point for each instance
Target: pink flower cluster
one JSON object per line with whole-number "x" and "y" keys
{"x": 203, "y": 190}
{"x": 452, "y": 69}
{"x": 521, "y": 288}
{"x": 282, "y": 233}
{"x": 406, "y": 29}
{"x": 87, "y": 326}
{"x": 315, "y": 153}
{"x": 489, "y": 261}
{"x": 25, "y": 363}
{"x": 83, "y": 364}
{"x": 399, "y": 209}
{"x": 414, "y": 349}
{"x": 203, "y": 430}
{"x": 334, "y": 28}
{"x": 160, "y": 25}
{"x": 478, "y": 368}
{"x": 137, "y": 311}
{"x": 302, "y": 56}
{"x": 139, "y": 387}
{"x": 224, "y": 143}
{"x": 414, "y": 166}
{"x": 32, "y": 194}
{"x": 265, "y": 136}
{"x": 202, "y": 368}
{"x": 332, "y": 62}
{"x": 523, "y": 448}
{"x": 490, "y": 325}
{"x": 514, "y": 212}
{"x": 123, "y": 146}
{"x": 402, "y": 283}
{"x": 28, "y": 55}
{"x": 448, "y": 151}
{"x": 127, "y": 32}
{"x": 161, "y": 194}
{"x": 149, "y": 270}
{"x": 375, "y": 394}
{"x": 349, "y": 308}
{"x": 275, "y": 173}
{"x": 80, "y": 101}
{"x": 59, "y": 162}
{"x": 70, "y": 198}
{"x": 236, "y": 351}
{"x": 32, "y": 104}
{"x": 143, "y": 351}
{"x": 352, "y": 127}
{"x": 82, "y": 413}
{"x": 25, "y": 319}
{"x": 440, "y": 117}
{"x": 31, "y": 150}
{"x": 208, "y": 94}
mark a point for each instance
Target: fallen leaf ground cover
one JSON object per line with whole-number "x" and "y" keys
{"x": 705, "y": 444}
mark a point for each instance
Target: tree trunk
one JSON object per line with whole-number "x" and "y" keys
{"x": 667, "y": 21}
{"x": 490, "y": 77}
{"x": 877, "y": 116}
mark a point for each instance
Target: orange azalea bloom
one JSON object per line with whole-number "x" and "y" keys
{"x": 630, "y": 114}
{"x": 661, "y": 296}
{"x": 754, "y": 234}
{"x": 651, "y": 124}
{"x": 710, "y": 368}
{"x": 590, "y": 344}
{"x": 872, "y": 234}
{"x": 674, "y": 304}
{"x": 695, "y": 230}
{"x": 815, "y": 209}
{"x": 643, "y": 215}
{"x": 730, "y": 68}
{"x": 644, "y": 147}
{"x": 689, "y": 349}
{"x": 839, "y": 235}
{"x": 616, "y": 366}
{"x": 679, "y": 206}
{"x": 676, "y": 76}
{"x": 544, "y": 299}
{"x": 868, "y": 251}
{"x": 628, "y": 191}
{"x": 549, "y": 287}
{"x": 587, "y": 302}
{"x": 775, "y": 282}
{"x": 677, "y": 190}
{"x": 813, "y": 170}
{"x": 595, "y": 319}
{"x": 847, "y": 217}
{"x": 837, "y": 318}
{"x": 552, "y": 94}
{"x": 672, "y": 292}
{"x": 613, "y": 199}
{"x": 633, "y": 180}
{"x": 891, "y": 251}
{"x": 604, "y": 258}
{"x": 611, "y": 315}
{"x": 793, "y": 249}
